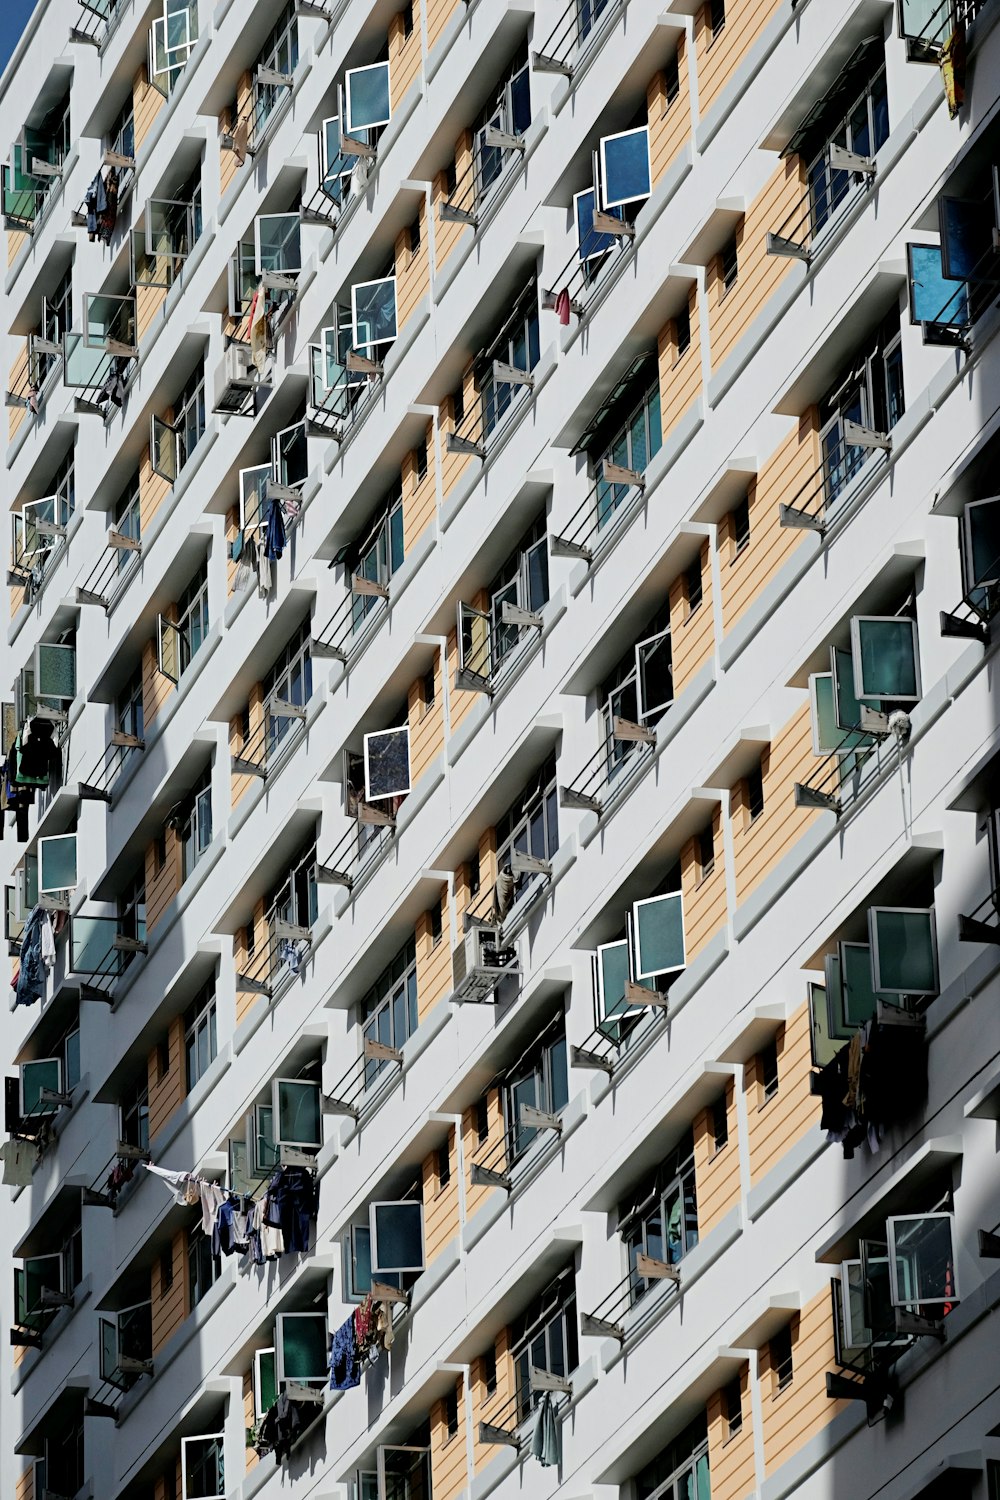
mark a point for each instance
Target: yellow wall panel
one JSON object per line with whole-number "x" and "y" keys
{"x": 146, "y": 105}
{"x": 759, "y": 846}
{"x": 802, "y": 1409}
{"x": 433, "y": 960}
{"x": 441, "y": 1224}
{"x": 731, "y": 1459}
{"x": 692, "y": 633}
{"x": 732, "y": 313}
{"x": 17, "y": 380}
{"x": 716, "y": 1173}
{"x": 669, "y": 122}
{"x": 166, "y": 1093}
{"x": 776, "y": 1124}
{"x": 718, "y": 60}
{"x": 162, "y": 881}
{"x": 704, "y": 897}
{"x": 680, "y": 374}
{"x": 169, "y": 1301}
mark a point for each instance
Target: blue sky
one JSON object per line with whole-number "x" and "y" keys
{"x": 13, "y": 17}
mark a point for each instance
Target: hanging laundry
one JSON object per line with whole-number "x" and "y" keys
{"x": 96, "y": 201}
{"x": 212, "y": 1196}
{"x": 546, "y": 1439}
{"x": 291, "y": 1202}
{"x": 113, "y": 389}
{"x": 241, "y": 139}
{"x": 178, "y": 1183}
{"x": 31, "y": 973}
{"x": 563, "y": 307}
{"x": 258, "y": 328}
{"x": 274, "y": 539}
{"x": 108, "y": 216}
{"x": 291, "y": 954}
{"x": 230, "y": 1231}
{"x": 953, "y": 67}
{"x": 345, "y": 1363}
{"x": 18, "y": 1158}
{"x": 280, "y": 1427}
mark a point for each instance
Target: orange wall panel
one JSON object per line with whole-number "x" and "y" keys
{"x": 759, "y": 275}
{"x": 669, "y": 121}
{"x": 705, "y": 908}
{"x": 759, "y": 846}
{"x": 692, "y": 633}
{"x": 731, "y": 1458}
{"x": 680, "y": 374}
{"x": 718, "y": 59}
{"x": 776, "y": 1124}
{"x": 802, "y": 1409}
{"x": 716, "y": 1173}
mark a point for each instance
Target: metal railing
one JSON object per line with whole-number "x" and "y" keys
{"x": 278, "y": 733}
{"x": 578, "y": 26}
{"x": 491, "y": 413}
{"x": 978, "y": 608}
{"x": 357, "y": 616}
{"x": 107, "y": 1186}
{"x": 964, "y": 307}
{"x": 362, "y": 848}
{"x": 474, "y": 189}
{"x": 499, "y": 1420}
{"x": 27, "y": 391}
{"x": 822, "y": 202}
{"x": 340, "y": 409}
{"x": 942, "y": 22}
{"x": 97, "y": 786}
{"x": 583, "y": 271}
{"x": 113, "y": 570}
{"x": 98, "y": 21}
{"x": 494, "y": 648}
{"x": 596, "y": 522}
{"x": 605, "y": 1047}
{"x": 608, "y": 1318}
{"x": 604, "y": 782}
{"x": 248, "y": 133}
{"x": 847, "y": 771}
{"x": 810, "y": 507}
{"x": 100, "y": 953}
{"x": 982, "y": 925}
{"x": 29, "y": 570}
{"x": 272, "y": 966}
{"x": 359, "y": 1090}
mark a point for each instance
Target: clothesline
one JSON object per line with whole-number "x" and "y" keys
{"x": 277, "y": 1224}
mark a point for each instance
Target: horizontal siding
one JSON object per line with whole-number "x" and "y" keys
{"x": 439, "y": 13}
{"x": 163, "y": 883}
{"x": 492, "y": 1406}
{"x": 716, "y": 1173}
{"x": 156, "y": 688}
{"x": 761, "y": 845}
{"x": 232, "y": 532}
{"x": 404, "y": 57}
{"x": 792, "y": 1416}
{"x": 17, "y": 380}
{"x": 680, "y": 377}
{"x": 447, "y": 232}
{"x": 166, "y": 1093}
{"x": 153, "y": 489}
{"x": 419, "y": 495}
{"x": 239, "y": 782}
{"x": 433, "y": 960}
{"x": 246, "y": 999}
{"x": 461, "y": 701}
{"x": 441, "y": 1224}
{"x": 731, "y": 1459}
{"x": 16, "y": 241}
{"x": 717, "y": 61}
{"x": 692, "y": 636}
{"x": 776, "y": 1125}
{"x": 25, "y": 1487}
{"x": 149, "y": 302}
{"x": 669, "y": 124}
{"x": 705, "y": 909}
{"x": 475, "y": 1194}
{"x": 146, "y": 105}
{"x": 758, "y": 274}
{"x": 413, "y": 273}
{"x": 249, "y": 1418}
{"x": 169, "y": 1303}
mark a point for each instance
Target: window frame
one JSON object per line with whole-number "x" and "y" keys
{"x": 218, "y": 1438}
{"x": 373, "y": 1213}
{"x": 281, "y": 1376}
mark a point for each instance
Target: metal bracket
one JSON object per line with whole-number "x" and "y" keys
{"x": 544, "y": 1380}
{"x": 918, "y": 1327}
{"x": 361, "y": 585}
{"x": 601, "y": 1328}
{"x": 843, "y": 160}
{"x": 607, "y": 224}
{"x": 490, "y": 1434}
{"x": 374, "y": 816}
{"x": 280, "y": 281}
{"x": 116, "y": 159}
{"x": 359, "y": 364}
{"x": 513, "y": 614}
{"x": 123, "y": 351}
{"x": 989, "y": 1245}
{"x": 44, "y": 346}
{"x": 971, "y": 931}
{"x": 41, "y": 168}
{"x": 291, "y": 1156}
{"x": 125, "y": 1152}
{"x": 452, "y": 214}
{"x": 656, "y": 1270}
{"x": 636, "y": 994}
{"x": 569, "y": 797}
{"x": 273, "y": 78}
{"x": 873, "y": 722}
{"x": 349, "y": 146}
{"x": 481, "y": 1176}
{"x": 274, "y": 491}
{"x": 295, "y": 1391}
{"x": 243, "y": 767}
{"x": 90, "y": 1198}
{"x": 788, "y": 515}
{"x": 384, "y": 1293}
{"x": 291, "y": 931}
{"x": 321, "y": 650}
{"x": 778, "y": 245}
{"x": 50, "y": 1298}
{"x": 857, "y": 436}
{"x": 807, "y": 796}
{"x": 123, "y": 543}
{"x": 540, "y": 1119}
{"x": 282, "y": 710}
{"x": 582, "y": 1057}
{"x": 456, "y": 444}
{"x": 87, "y": 596}
{"x": 51, "y": 1096}
{"x": 327, "y": 875}
{"x": 624, "y": 729}
{"x": 543, "y": 63}
{"x": 505, "y": 374}
{"x": 503, "y": 140}
{"x": 130, "y": 1366}
{"x": 92, "y": 1408}
{"x": 123, "y": 944}
{"x": 617, "y": 474}
{"x": 54, "y": 903}
{"x": 380, "y": 1052}
{"x": 971, "y": 630}
{"x": 529, "y": 864}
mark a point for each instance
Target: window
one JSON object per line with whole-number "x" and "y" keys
{"x": 166, "y": 1270}
{"x": 531, "y": 823}
{"x": 488, "y": 1366}
{"x": 296, "y": 1111}
{"x": 427, "y": 690}
{"x": 451, "y": 1413}
{"x": 544, "y": 1337}
{"x": 523, "y": 581}
{"x": 302, "y": 1348}
{"x": 203, "y": 1463}
{"x": 716, "y": 17}
{"x": 121, "y": 131}
{"x": 436, "y": 924}
{"x": 450, "y": 184}
{"x": 458, "y": 404}
{"x": 380, "y": 555}
{"x": 682, "y": 330}
{"x": 720, "y": 1122}
{"x": 32, "y": 546}
{"x": 539, "y": 1081}
{"x": 195, "y": 832}
{"x": 189, "y": 417}
{"x": 289, "y": 680}
{"x": 279, "y": 54}
{"x": 295, "y": 899}
{"x": 624, "y": 169}
{"x": 661, "y": 1220}
{"x": 869, "y": 393}
{"x": 680, "y": 1470}
{"x": 767, "y": 1071}
{"x": 128, "y": 709}
{"x": 396, "y": 1230}
{"x": 672, "y": 80}
{"x": 64, "y": 1467}
{"x": 862, "y": 129}
{"x": 407, "y": 14}
{"x": 640, "y": 688}
{"x": 739, "y": 525}
{"x": 780, "y": 1353}
{"x": 474, "y": 876}
{"x": 517, "y": 344}
{"x": 636, "y": 441}
{"x": 755, "y": 793}
{"x": 443, "y": 1166}
{"x": 728, "y": 265}
{"x": 732, "y": 1407}
{"x": 192, "y": 617}
{"x": 389, "y": 1010}
{"x": 367, "y": 92}
{"x": 483, "y": 1119}
{"x": 134, "y": 1108}
{"x": 508, "y": 111}
{"x": 200, "y": 1038}
{"x": 420, "y": 453}
{"x": 414, "y": 239}
{"x": 693, "y": 588}
{"x": 706, "y": 851}
{"x": 126, "y": 521}
{"x": 204, "y": 1269}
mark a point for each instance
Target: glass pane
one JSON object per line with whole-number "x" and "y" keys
{"x": 169, "y": 228}
{"x": 904, "y": 951}
{"x": 558, "y": 1076}
{"x": 655, "y": 675}
{"x": 279, "y": 242}
{"x": 847, "y": 707}
{"x": 71, "y": 1050}
{"x": 967, "y": 238}
{"x": 885, "y": 658}
{"x": 860, "y": 998}
{"x": 267, "y": 1380}
{"x": 57, "y": 863}
{"x": 387, "y": 764}
{"x": 361, "y": 1261}
{"x": 292, "y": 455}
{"x": 368, "y": 97}
{"x": 397, "y": 1236}
{"x": 922, "y": 18}
{"x": 203, "y": 1468}
{"x": 921, "y": 1260}
{"x": 982, "y": 552}
{"x": 933, "y": 298}
{"x": 659, "y": 935}
{"x": 625, "y": 167}
{"x": 55, "y": 671}
{"x": 92, "y": 945}
{"x": 305, "y": 1348}
{"x": 35, "y": 1076}
{"x": 612, "y": 971}
{"x": 299, "y": 1114}
{"x": 374, "y": 305}
{"x": 824, "y": 1047}
{"x": 591, "y": 244}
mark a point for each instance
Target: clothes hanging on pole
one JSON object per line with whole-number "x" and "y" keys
{"x": 18, "y": 1158}
{"x": 32, "y": 973}
{"x": 563, "y": 306}
{"x": 546, "y": 1439}
{"x": 212, "y": 1196}
{"x": 177, "y": 1183}
{"x": 107, "y": 217}
{"x": 274, "y": 537}
{"x": 345, "y": 1362}
{"x": 96, "y": 201}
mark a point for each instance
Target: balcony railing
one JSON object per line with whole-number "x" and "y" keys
{"x": 112, "y": 571}
{"x": 356, "y": 618}
{"x": 837, "y": 179}
{"x": 97, "y": 21}
{"x": 272, "y": 966}
{"x": 978, "y": 608}
{"x": 492, "y": 412}
{"x": 604, "y": 781}
{"x": 358, "y": 1091}
{"x": 247, "y": 134}
{"x": 812, "y": 505}
{"x": 27, "y": 391}
{"x": 335, "y": 411}
{"x": 982, "y": 925}
{"x": 494, "y": 1163}
{"x": 280, "y": 729}
{"x": 605, "y": 1048}
{"x": 100, "y": 953}
{"x": 596, "y": 523}
{"x": 362, "y": 848}
{"x": 499, "y": 1421}
{"x": 101, "y": 371}
{"x": 576, "y": 29}
{"x": 97, "y": 786}
{"x": 473, "y": 190}
{"x": 928, "y": 44}
{"x": 107, "y": 1186}
{"x": 608, "y": 1318}
{"x": 850, "y": 769}
{"x": 575, "y": 284}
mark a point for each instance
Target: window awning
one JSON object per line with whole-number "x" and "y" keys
{"x": 624, "y": 386}
{"x": 837, "y": 97}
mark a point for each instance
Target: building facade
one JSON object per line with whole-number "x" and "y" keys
{"x": 502, "y": 818}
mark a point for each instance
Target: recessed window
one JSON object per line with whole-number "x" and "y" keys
{"x": 729, "y": 268}
{"x": 162, "y": 1060}
{"x": 443, "y": 1167}
{"x": 415, "y": 235}
{"x": 200, "y": 1035}
{"x": 204, "y": 1268}
{"x": 407, "y": 21}
{"x": 672, "y": 80}
{"x": 767, "y": 1070}
{"x": 781, "y": 1358}
{"x": 451, "y": 1413}
{"x": 716, "y": 16}
{"x": 755, "y": 793}
{"x": 450, "y": 178}
{"x": 720, "y": 1122}
{"x": 706, "y": 851}
{"x": 458, "y": 404}
{"x": 682, "y": 330}
{"x": 421, "y": 456}
{"x": 483, "y": 1118}
{"x": 693, "y": 589}
{"x": 160, "y": 850}
{"x": 489, "y": 1369}
{"x": 436, "y": 924}
{"x": 732, "y": 1407}
{"x": 740, "y": 525}
{"x": 166, "y": 1270}
{"x": 474, "y": 876}
{"x": 427, "y": 690}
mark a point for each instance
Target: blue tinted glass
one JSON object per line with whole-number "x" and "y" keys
{"x": 368, "y": 96}
{"x": 590, "y": 241}
{"x": 967, "y": 237}
{"x": 933, "y": 298}
{"x": 626, "y": 166}
{"x": 520, "y": 101}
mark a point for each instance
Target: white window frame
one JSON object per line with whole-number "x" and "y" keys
{"x": 43, "y": 544}
{"x": 857, "y": 1338}
{"x": 277, "y": 457}
{"x": 43, "y": 646}
{"x": 259, "y": 1408}
{"x": 606, "y": 204}
{"x": 952, "y": 1297}
{"x": 381, "y": 734}
{"x": 635, "y": 958}
{"x": 352, "y": 73}
{"x": 968, "y": 562}
{"x": 279, "y": 1350}
{"x": 36, "y": 1062}
{"x": 412, "y": 1203}
{"x": 276, "y": 1113}
{"x": 602, "y": 999}
{"x": 923, "y": 911}
{"x": 859, "y": 684}
{"x": 167, "y": 629}
{"x": 283, "y": 270}
{"x": 201, "y": 1437}
{"x": 263, "y": 473}
{"x": 158, "y": 429}
{"x": 374, "y": 343}
{"x": 657, "y": 710}
{"x": 44, "y": 890}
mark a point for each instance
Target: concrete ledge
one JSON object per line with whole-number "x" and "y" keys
{"x": 792, "y": 1165}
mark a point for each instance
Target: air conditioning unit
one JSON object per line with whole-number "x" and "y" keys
{"x": 238, "y": 378}
{"x": 479, "y": 963}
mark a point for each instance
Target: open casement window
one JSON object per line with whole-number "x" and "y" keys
{"x": 403, "y": 1473}
{"x": 335, "y": 167}
{"x": 13, "y": 915}
{"x": 168, "y": 649}
{"x": 295, "y": 1108}
{"x": 624, "y": 170}
{"x": 822, "y": 1046}
{"x": 55, "y": 671}
{"x": 373, "y": 314}
{"x": 358, "y": 1265}
{"x": 852, "y": 1334}
{"x": 921, "y": 20}
{"x": 41, "y": 1073}
{"x": 654, "y": 675}
{"x": 262, "y": 1148}
{"x": 163, "y": 452}
{"x": 366, "y": 91}
{"x": 656, "y": 936}
{"x": 336, "y": 342}
{"x": 933, "y": 298}
{"x": 126, "y": 1342}
{"x": 852, "y": 998}
{"x": 612, "y": 976}
{"x": 243, "y": 278}
{"x": 290, "y": 456}
{"x": 109, "y": 323}
{"x": 20, "y": 191}
{"x": 42, "y": 1273}
{"x": 475, "y": 656}
{"x": 921, "y": 1251}
{"x": 591, "y": 243}
{"x": 967, "y": 226}
{"x": 387, "y": 764}
{"x": 57, "y": 866}
{"x": 878, "y": 1310}
{"x": 170, "y": 230}
{"x": 34, "y": 534}
{"x": 904, "y": 958}
{"x": 980, "y": 554}
{"x": 172, "y": 37}
{"x": 302, "y": 1348}
{"x": 396, "y": 1230}
{"x": 828, "y": 735}
{"x": 277, "y": 244}
{"x": 265, "y": 1381}
{"x": 885, "y": 658}
{"x": 203, "y": 1467}
{"x": 846, "y": 707}
{"x": 253, "y": 497}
